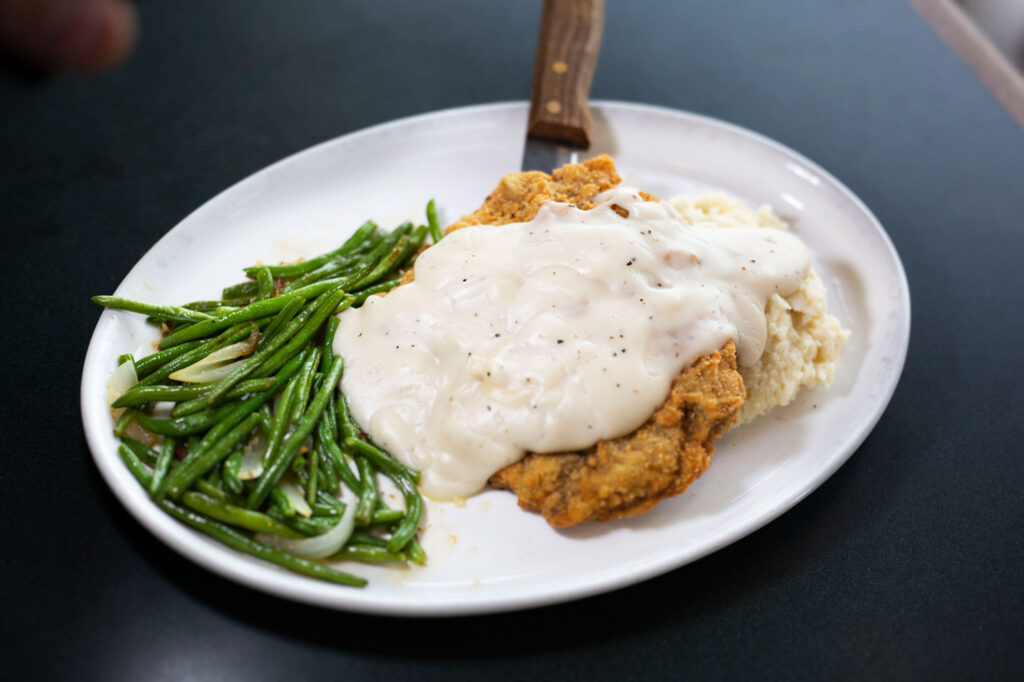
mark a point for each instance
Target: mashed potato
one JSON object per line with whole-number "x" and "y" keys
{"x": 803, "y": 339}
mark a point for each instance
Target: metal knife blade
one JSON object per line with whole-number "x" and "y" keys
{"x": 544, "y": 155}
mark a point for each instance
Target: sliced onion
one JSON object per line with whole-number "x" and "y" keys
{"x": 123, "y": 378}
{"x": 318, "y": 546}
{"x": 135, "y": 430}
{"x": 294, "y": 494}
{"x": 212, "y": 367}
{"x": 252, "y": 457}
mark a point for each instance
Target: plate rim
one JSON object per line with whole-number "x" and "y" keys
{"x": 260, "y": 576}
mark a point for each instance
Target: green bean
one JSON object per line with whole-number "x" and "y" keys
{"x": 163, "y": 463}
{"x": 314, "y": 525}
{"x": 279, "y": 424}
{"x": 368, "y": 496}
{"x": 199, "y": 352}
{"x": 166, "y": 392}
{"x": 361, "y": 537}
{"x": 338, "y": 268}
{"x": 328, "y": 477}
{"x": 368, "y": 554}
{"x": 245, "y": 367}
{"x": 281, "y": 320}
{"x": 213, "y": 475}
{"x": 407, "y": 527}
{"x": 136, "y": 467}
{"x": 327, "y": 356}
{"x": 433, "y": 222}
{"x": 229, "y": 472}
{"x": 203, "y": 306}
{"x": 265, "y": 282}
{"x": 244, "y": 290}
{"x": 314, "y": 476}
{"x": 240, "y": 542}
{"x": 239, "y": 412}
{"x": 266, "y": 419}
{"x": 280, "y": 501}
{"x": 386, "y": 516}
{"x": 126, "y": 418}
{"x": 151, "y": 362}
{"x": 321, "y": 509}
{"x": 347, "y": 427}
{"x": 324, "y": 498}
{"x": 183, "y": 477}
{"x": 327, "y": 303}
{"x": 305, "y": 385}
{"x": 208, "y": 327}
{"x": 148, "y": 456}
{"x": 399, "y": 255}
{"x": 419, "y": 235}
{"x": 253, "y": 402}
{"x": 126, "y": 357}
{"x": 184, "y": 426}
{"x": 330, "y": 445}
{"x": 366, "y": 292}
{"x": 237, "y": 516}
{"x": 330, "y": 417}
{"x": 275, "y": 468}
{"x": 415, "y": 552}
{"x": 207, "y": 488}
{"x": 297, "y": 269}
{"x": 388, "y": 248}
{"x": 165, "y": 312}
{"x": 242, "y": 389}
{"x": 380, "y": 459}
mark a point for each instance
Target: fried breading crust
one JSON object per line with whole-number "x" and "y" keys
{"x": 519, "y": 196}
{"x": 627, "y": 475}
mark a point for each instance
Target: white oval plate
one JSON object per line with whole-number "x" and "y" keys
{"x": 489, "y": 555}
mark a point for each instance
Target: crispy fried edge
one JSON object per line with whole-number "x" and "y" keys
{"x": 629, "y": 475}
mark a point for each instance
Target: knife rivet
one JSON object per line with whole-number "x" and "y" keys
{"x": 559, "y": 67}
{"x": 553, "y": 106}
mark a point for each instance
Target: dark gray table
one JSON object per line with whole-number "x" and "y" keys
{"x": 906, "y": 564}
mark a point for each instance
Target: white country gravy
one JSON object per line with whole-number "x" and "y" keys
{"x": 550, "y": 335}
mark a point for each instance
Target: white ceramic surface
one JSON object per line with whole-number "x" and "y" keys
{"x": 488, "y": 555}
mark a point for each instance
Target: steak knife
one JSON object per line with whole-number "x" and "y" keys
{"x": 567, "y": 48}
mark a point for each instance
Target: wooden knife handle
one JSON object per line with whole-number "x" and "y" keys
{"x": 567, "y": 49}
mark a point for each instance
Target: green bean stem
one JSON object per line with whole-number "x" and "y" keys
{"x": 433, "y": 222}
{"x": 165, "y": 312}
